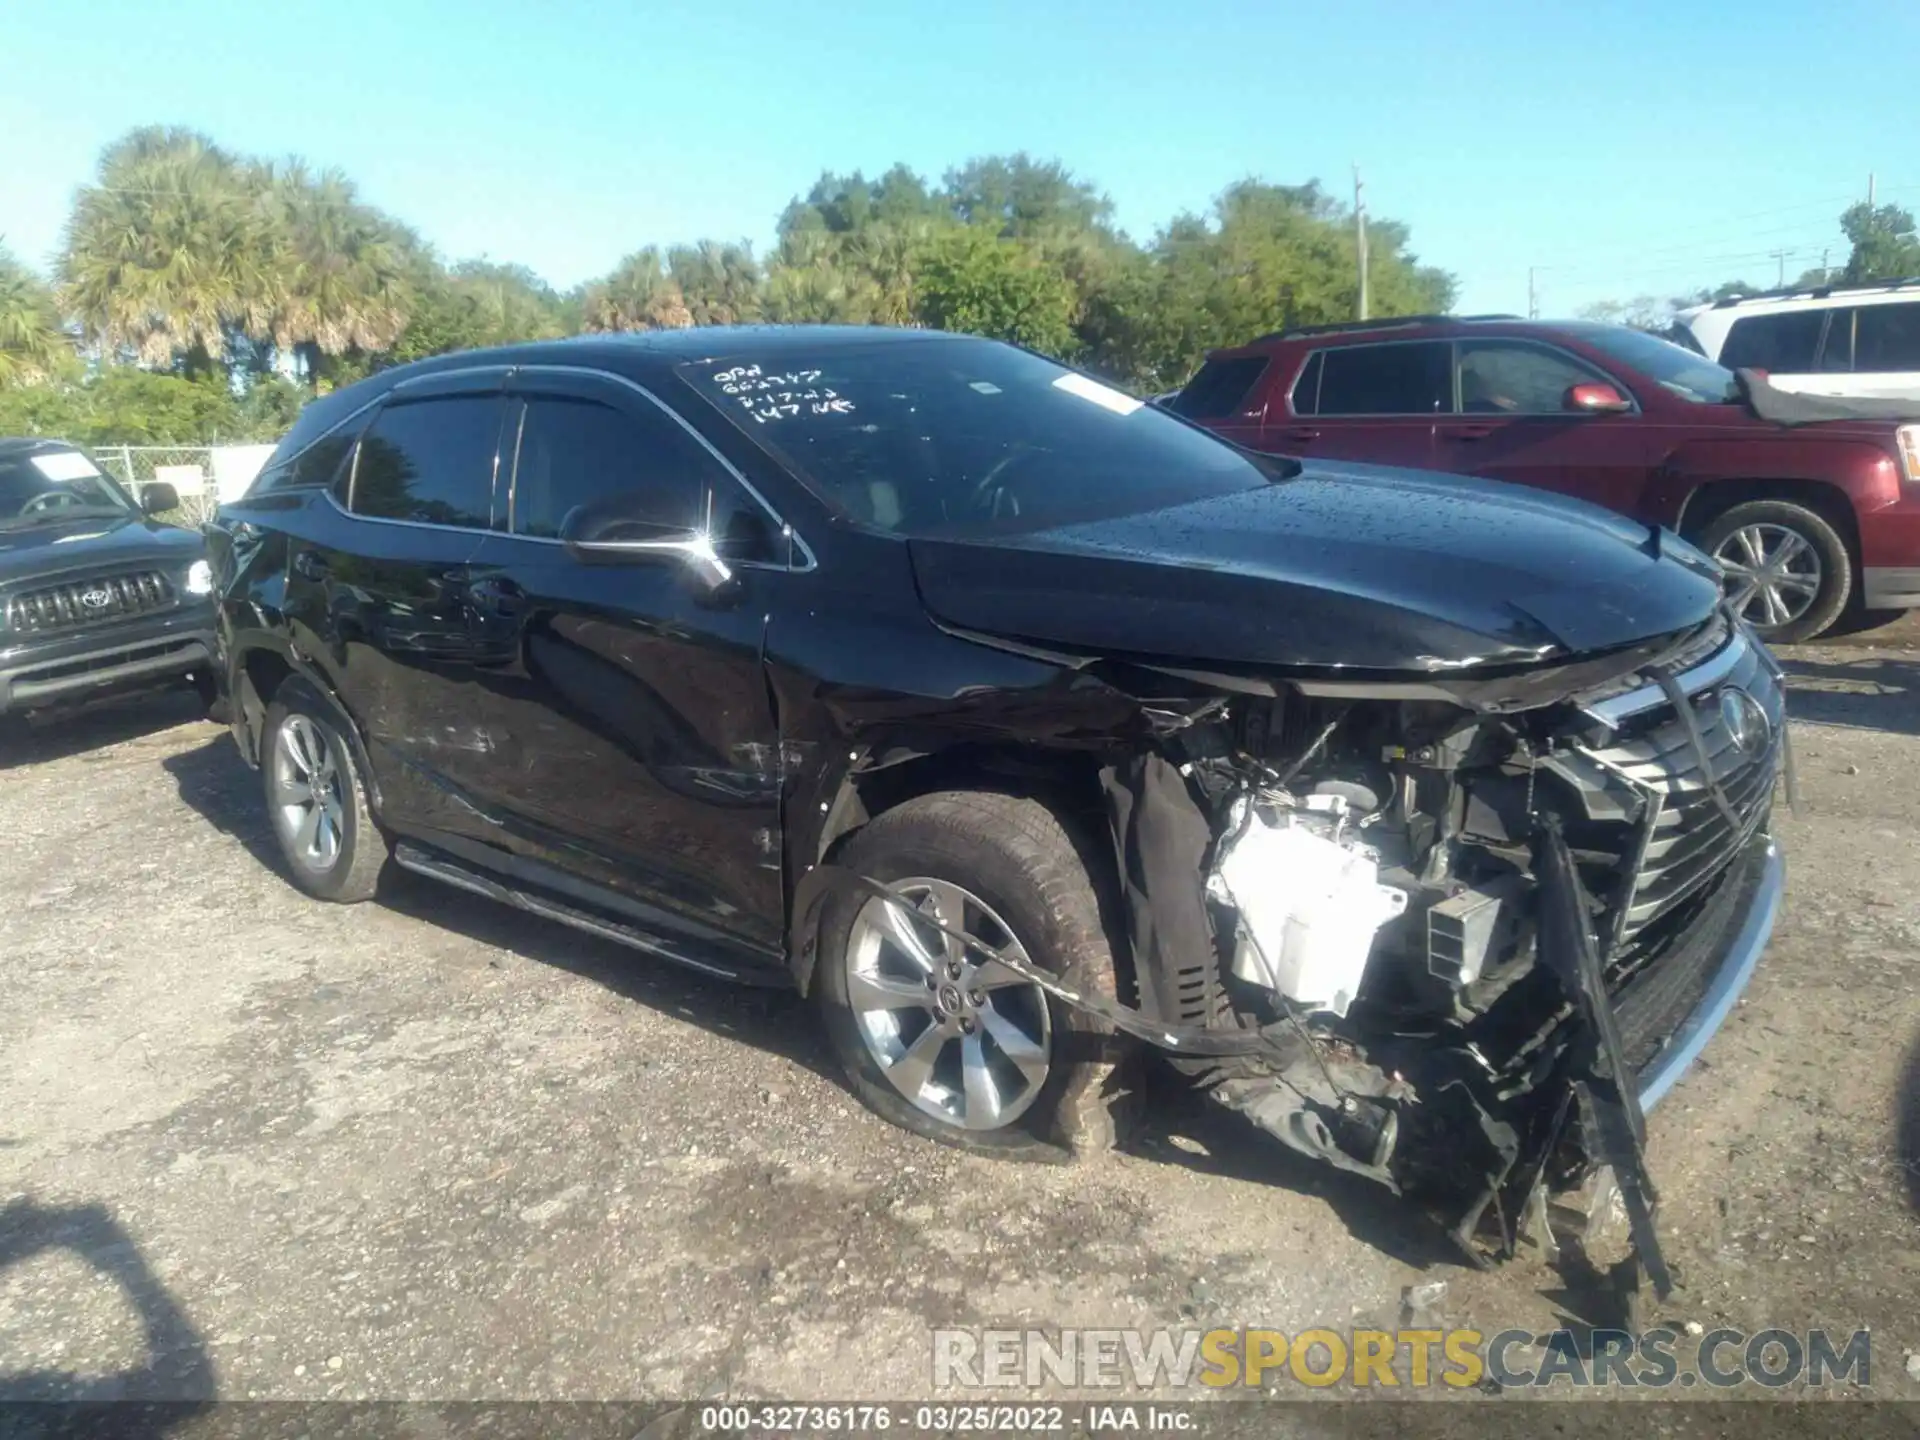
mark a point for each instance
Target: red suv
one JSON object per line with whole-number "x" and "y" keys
{"x": 1806, "y": 518}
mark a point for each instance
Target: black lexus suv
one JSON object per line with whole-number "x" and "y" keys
{"x": 1422, "y": 820}
{"x": 96, "y": 596}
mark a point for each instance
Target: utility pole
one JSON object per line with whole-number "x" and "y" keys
{"x": 1870, "y": 190}
{"x": 1360, "y": 242}
{"x": 1781, "y": 256}
{"x": 1533, "y": 299}
{"x": 1826, "y": 270}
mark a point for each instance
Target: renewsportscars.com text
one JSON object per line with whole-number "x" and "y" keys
{"x": 1383, "y": 1359}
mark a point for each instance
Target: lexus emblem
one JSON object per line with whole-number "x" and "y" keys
{"x": 1745, "y": 722}
{"x": 98, "y": 598}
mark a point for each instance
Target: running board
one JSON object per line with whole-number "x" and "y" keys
{"x": 462, "y": 877}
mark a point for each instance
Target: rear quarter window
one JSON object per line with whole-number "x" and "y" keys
{"x": 1223, "y": 387}
{"x": 1783, "y": 344}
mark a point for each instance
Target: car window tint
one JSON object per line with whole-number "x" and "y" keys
{"x": 1779, "y": 343}
{"x": 1221, "y": 388}
{"x": 1508, "y": 379}
{"x": 574, "y": 452}
{"x": 1887, "y": 337}
{"x": 321, "y": 463}
{"x": 1385, "y": 380}
{"x": 430, "y": 461}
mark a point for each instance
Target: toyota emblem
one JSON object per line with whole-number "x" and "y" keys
{"x": 98, "y": 598}
{"x": 1746, "y": 723}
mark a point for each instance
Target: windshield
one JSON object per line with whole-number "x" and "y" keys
{"x": 55, "y": 485}
{"x": 1680, "y": 372}
{"x": 949, "y": 437}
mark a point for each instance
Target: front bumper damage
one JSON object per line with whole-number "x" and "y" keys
{"x": 1602, "y": 1093}
{"x": 1619, "y": 959}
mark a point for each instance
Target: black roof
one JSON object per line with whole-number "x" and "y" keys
{"x": 674, "y": 347}
{"x": 15, "y": 445}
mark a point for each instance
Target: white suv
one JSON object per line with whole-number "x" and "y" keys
{"x": 1834, "y": 340}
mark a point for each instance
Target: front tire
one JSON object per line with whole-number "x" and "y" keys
{"x": 1788, "y": 570}
{"x": 317, "y": 801}
{"x": 942, "y": 1043}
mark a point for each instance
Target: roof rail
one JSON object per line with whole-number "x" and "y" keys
{"x": 1388, "y": 322}
{"x": 1816, "y": 292}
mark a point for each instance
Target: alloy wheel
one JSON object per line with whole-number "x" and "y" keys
{"x": 1773, "y": 573}
{"x": 309, "y": 807}
{"x": 960, "y": 1036}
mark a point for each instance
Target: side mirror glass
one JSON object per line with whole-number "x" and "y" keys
{"x": 158, "y": 497}
{"x": 619, "y": 531}
{"x": 1597, "y": 398}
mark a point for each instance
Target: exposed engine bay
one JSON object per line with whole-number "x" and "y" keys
{"x": 1441, "y": 940}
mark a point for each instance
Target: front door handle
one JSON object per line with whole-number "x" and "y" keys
{"x": 1303, "y": 432}
{"x": 1470, "y": 432}
{"x": 310, "y": 565}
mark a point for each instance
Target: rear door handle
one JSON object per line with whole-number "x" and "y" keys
{"x": 310, "y": 565}
{"x": 1302, "y": 432}
{"x": 1470, "y": 432}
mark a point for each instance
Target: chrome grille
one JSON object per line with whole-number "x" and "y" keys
{"x": 1692, "y": 839}
{"x": 76, "y": 603}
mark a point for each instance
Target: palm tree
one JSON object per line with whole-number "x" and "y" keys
{"x": 168, "y": 253}
{"x": 510, "y": 302}
{"x": 638, "y": 295}
{"x": 885, "y": 255}
{"x": 343, "y": 268}
{"x": 720, "y": 282}
{"x": 811, "y": 283}
{"x": 31, "y": 341}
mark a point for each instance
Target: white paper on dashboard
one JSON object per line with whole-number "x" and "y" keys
{"x": 64, "y": 465}
{"x": 1105, "y": 396}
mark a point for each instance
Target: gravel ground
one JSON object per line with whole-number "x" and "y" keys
{"x": 429, "y": 1148}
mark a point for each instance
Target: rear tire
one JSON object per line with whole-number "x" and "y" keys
{"x": 317, "y": 801}
{"x": 978, "y": 1060}
{"x": 1791, "y": 572}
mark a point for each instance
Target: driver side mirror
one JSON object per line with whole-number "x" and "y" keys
{"x": 158, "y": 498}
{"x": 1596, "y": 399}
{"x": 619, "y": 530}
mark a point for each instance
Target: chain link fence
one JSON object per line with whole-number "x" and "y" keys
{"x": 202, "y": 475}
{"x": 188, "y": 468}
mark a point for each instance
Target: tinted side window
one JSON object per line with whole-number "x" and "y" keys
{"x": 1501, "y": 379}
{"x": 1221, "y": 388}
{"x": 1783, "y": 343}
{"x": 1887, "y": 337}
{"x": 1411, "y": 379}
{"x": 573, "y": 452}
{"x": 430, "y": 461}
{"x": 1837, "y": 354}
{"x": 322, "y": 463}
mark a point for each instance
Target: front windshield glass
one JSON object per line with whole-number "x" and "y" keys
{"x": 55, "y": 485}
{"x": 1680, "y": 372}
{"x": 949, "y": 437}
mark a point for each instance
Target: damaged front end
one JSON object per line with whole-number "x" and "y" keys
{"x": 1451, "y": 935}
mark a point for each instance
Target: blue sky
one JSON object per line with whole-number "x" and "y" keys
{"x": 1624, "y": 148}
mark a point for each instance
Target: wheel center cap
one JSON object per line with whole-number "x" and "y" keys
{"x": 949, "y": 1000}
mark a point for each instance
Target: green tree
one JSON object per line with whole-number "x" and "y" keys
{"x": 638, "y": 295}
{"x": 1885, "y": 246}
{"x": 969, "y": 279}
{"x": 344, "y": 272}
{"x": 719, "y": 282}
{"x": 1269, "y": 257}
{"x": 1018, "y": 196}
{"x": 32, "y": 344}
{"x": 169, "y": 253}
